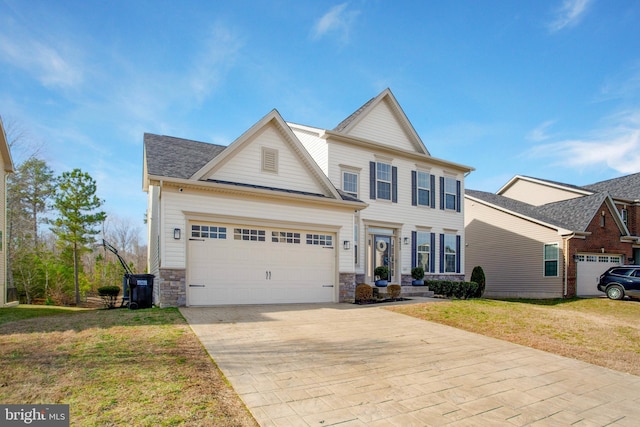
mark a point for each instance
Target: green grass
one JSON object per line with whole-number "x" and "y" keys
{"x": 595, "y": 330}
{"x": 114, "y": 367}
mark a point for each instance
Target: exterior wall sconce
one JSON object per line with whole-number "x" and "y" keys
{"x": 176, "y": 233}
{"x": 346, "y": 245}
{"x": 406, "y": 240}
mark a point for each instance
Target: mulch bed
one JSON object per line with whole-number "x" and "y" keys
{"x": 381, "y": 301}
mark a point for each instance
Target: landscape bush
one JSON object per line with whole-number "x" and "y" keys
{"x": 364, "y": 293}
{"x": 394, "y": 291}
{"x": 109, "y": 295}
{"x": 449, "y": 289}
{"x": 477, "y": 275}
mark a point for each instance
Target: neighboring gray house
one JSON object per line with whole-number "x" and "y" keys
{"x": 536, "y": 238}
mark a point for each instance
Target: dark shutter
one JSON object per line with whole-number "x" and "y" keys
{"x": 458, "y": 199}
{"x": 432, "y": 256}
{"x": 458, "y": 254}
{"x": 442, "y": 192}
{"x": 372, "y": 180}
{"x": 394, "y": 184}
{"x": 414, "y": 247}
{"x": 433, "y": 191}
{"x": 442, "y": 253}
{"x": 414, "y": 188}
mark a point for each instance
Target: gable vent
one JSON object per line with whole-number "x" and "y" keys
{"x": 269, "y": 160}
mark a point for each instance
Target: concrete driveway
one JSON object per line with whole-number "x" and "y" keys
{"x": 341, "y": 364}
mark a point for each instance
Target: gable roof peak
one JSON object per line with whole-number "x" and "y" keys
{"x": 345, "y": 126}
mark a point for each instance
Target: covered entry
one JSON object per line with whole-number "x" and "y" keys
{"x": 240, "y": 264}
{"x": 589, "y": 267}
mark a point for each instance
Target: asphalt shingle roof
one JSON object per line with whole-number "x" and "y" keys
{"x": 176, "y": 157}
{"x": 625, "y": 187}
{"x": 181, "y": 158}
{"x": 573, "y": 214}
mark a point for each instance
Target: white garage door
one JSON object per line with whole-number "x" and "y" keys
{"x": 229, "y": 264}
{"x": 589, "y": 269}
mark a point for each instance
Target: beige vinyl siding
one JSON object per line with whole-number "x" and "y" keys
{"x": 316, "y": 146}
{"x": 381, "y": 125}
{"x": 153, "y": 238}
{"x": 537, "y": 193}
{"x": 246, "y": 166}
{"x": 248, "y": 210}
{"x": 402, "y": 213}
{"x": 510, "y": 250}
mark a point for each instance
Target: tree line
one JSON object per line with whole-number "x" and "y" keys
{"x": 55, "y": 227}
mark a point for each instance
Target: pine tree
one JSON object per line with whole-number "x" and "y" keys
{"x": 77, "y": 204}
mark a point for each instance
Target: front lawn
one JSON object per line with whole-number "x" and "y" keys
{"x": 595, "y": 330}
{"x": 114, "y": 367}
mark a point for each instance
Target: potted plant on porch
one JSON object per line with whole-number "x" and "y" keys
{"x": 418, "y": 276}
{"x": 382, "y": 275}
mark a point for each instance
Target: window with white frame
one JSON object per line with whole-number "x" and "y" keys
{"x": 423, "y": 188}
{"x": 624, "y": 214}
{"x": 383, "y": 181}
{"x": 450, "y": 253}
{"x": 551, "y": 253}
{"x": 423, "y": 250}
{"x": 350, "y": 183}
{"x": 450, "y": 194}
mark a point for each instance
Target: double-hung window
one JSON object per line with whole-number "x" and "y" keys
{"x": 450, "y": 253}
{"x": 423, "y": 250}
{"x": 551, "y": 260}
{"x": 350, "y": 183}
{"x": 383, "y": 181}
{"x": 450, "y": 195}
{"x": 423, "y": 188}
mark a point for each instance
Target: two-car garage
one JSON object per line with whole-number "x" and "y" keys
{"x": 231, "y": 264}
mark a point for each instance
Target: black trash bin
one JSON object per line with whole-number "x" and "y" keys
{"x": 140, "y": 290}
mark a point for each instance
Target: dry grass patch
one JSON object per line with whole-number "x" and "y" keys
{"x": 598, "y": 330}
{"x": 115, "y": 367}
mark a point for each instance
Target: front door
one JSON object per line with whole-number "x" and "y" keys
{"x": 383, "y": 253}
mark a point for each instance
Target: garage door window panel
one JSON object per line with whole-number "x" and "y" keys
{"x": 248, "y": 234}
{"x": 208, "y": 232}
{"x": 285, "y": 237}
{"x": 320, "y": 240}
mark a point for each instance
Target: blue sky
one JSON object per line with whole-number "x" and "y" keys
{"x": 549, "y": 88}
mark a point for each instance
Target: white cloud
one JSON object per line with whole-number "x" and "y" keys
{"x": 623, "y": 85}
{"x": 51, "y": 65}
{"x": 540, "y": 133}
{"x": 569, "y": 14}
{"x": 615, "y": 145}
{"x": 214, "y": 61}
{"x": 338, "y": 20}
